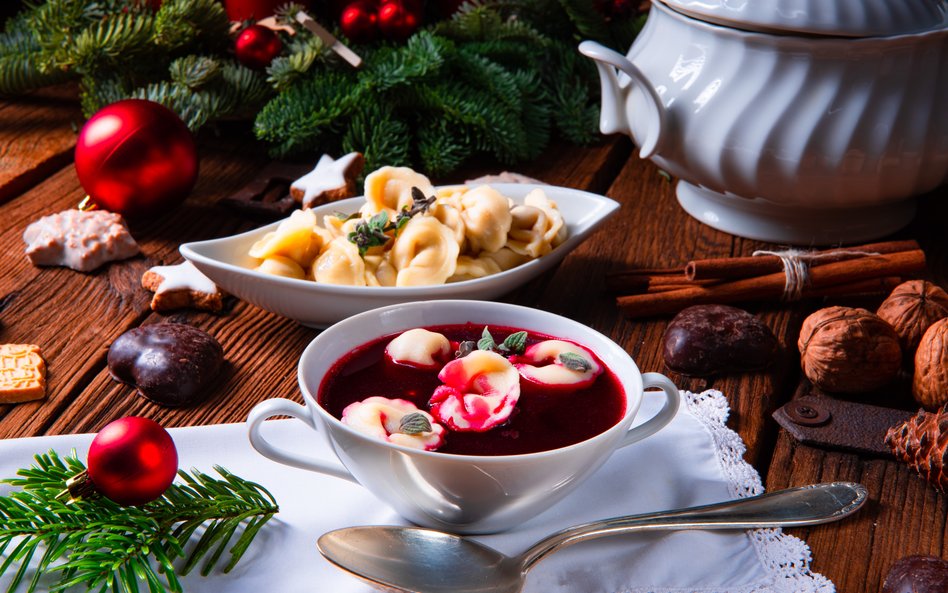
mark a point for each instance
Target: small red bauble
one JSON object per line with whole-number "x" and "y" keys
{"x": 397, "y": 20}
{"x": 359, "y": 21}
{"x": 132, "y": 461}
{"x": 136, "y": 157}
{"x": 256, "y": 46}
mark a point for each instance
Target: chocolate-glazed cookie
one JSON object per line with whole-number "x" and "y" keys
{"x": 171, "y": 364}
{"x": 709, "y": 339}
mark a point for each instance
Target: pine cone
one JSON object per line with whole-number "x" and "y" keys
{"x": 922, "y": 443}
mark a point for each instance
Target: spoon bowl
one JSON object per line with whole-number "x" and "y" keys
{"x": 415, "y": 560}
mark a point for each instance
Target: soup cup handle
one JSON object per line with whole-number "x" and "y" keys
{"x": 284, "y": 407}
{"x": 663, "y": 417}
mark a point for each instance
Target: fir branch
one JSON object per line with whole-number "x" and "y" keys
{"x": 103, "y": 546}
{"x": 589, "y": 23}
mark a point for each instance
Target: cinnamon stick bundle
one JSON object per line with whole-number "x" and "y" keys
{"x": 851, "y": 276}
{"x": 729, "y": 268}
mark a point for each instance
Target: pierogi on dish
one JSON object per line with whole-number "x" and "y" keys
{"x": 410, "y": 234}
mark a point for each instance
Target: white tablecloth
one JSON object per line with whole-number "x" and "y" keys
{"x": 695, "y": 460}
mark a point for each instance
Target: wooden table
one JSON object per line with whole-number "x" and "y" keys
{"x": 75, "y": 317}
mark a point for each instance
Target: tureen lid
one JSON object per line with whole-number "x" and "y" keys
{"x": 848, "y": 18}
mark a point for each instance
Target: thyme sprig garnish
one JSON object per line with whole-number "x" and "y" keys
{"x": 378, "y": 230}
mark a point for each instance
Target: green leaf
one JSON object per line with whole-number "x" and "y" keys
{"x": 515, "y": 342}
{"x": 487, "y": 341}
{"x": 414, "y": 423}
{"x": 575, "y": 362}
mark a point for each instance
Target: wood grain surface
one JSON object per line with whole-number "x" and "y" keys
{"x": 74, "y": 317}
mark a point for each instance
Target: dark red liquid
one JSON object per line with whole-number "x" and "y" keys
{"x": 542, "y": 420}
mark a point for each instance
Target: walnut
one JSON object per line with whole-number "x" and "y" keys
{"x": 911, "y": 308}
{"x": 848, "y": 350}
{"x": 930, "y": 385}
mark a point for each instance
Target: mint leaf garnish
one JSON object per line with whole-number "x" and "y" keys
{"x": 414, "y": 423}
{"x": 575, "y": 362}
{"x": 487, "y": 341}
{"x": 515, "y": 343}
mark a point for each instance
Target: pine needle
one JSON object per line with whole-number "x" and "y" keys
{"x": 101, "y": 545}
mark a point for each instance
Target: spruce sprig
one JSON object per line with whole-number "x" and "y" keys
{"x": 102, "y": 546}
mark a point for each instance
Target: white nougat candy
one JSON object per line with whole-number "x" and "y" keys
{"x": 480, "y": 391}
{"x": 558, "y": 364}
{"x": 382, "y": 417}
{"x": 419, "y": 348}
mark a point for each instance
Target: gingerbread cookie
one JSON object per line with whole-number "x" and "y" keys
{"x": 331, "y": 180}
{"x": 79, "y": 239}
{"x": 180, "y": 286}
{"x": 22, "y": 373}
{"x": 172, "y": 364}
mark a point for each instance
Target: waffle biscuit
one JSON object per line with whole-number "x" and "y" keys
{"x": 22, "y": 373}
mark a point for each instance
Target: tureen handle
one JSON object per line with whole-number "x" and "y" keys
{"x": 647, "y": 127}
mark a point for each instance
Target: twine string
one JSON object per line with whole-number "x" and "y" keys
{"x": 796, "y": 267}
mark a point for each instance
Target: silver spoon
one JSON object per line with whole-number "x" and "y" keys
{"x": 415, "y": 560}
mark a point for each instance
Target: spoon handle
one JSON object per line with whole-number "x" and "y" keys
{"x": 806, "y": 505}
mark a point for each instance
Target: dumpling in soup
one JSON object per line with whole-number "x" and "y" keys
{"x": 424, "y": 253}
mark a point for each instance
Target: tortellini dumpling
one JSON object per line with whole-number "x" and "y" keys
{"x": 528, "y": 233}
{"x": 487, "y": 219}
{"x": 465, "y": 234}
{"x": 339, "y": 227}
{"x": 556, "y": 233}
{"x": 470, "y": 268}
{"x": 419, "y": 348}
{"x": 506, "y": 258}
{"x": 424, "y": 253}
{"x": 277, "y": 265}
{"x": 298, "y": 238}
{"x": 389, "y": 189}
{"x": 340, "y": 263}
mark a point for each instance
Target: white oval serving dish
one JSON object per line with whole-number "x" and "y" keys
{"x": 227, "y": 263}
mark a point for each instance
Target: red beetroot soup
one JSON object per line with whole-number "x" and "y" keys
{"x": 543, "y": 418}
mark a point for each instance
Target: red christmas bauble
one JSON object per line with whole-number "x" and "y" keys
{"x": 132, "y": 460}
{"x": 359, "y": 21}
{"x": 256, "y": 46}
{"x": 397, "y": 20}
{"x": 136, "y": 157}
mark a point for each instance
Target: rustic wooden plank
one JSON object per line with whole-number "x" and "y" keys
{"x": 74, "y": 316}
{"x": 37, "y": 137}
